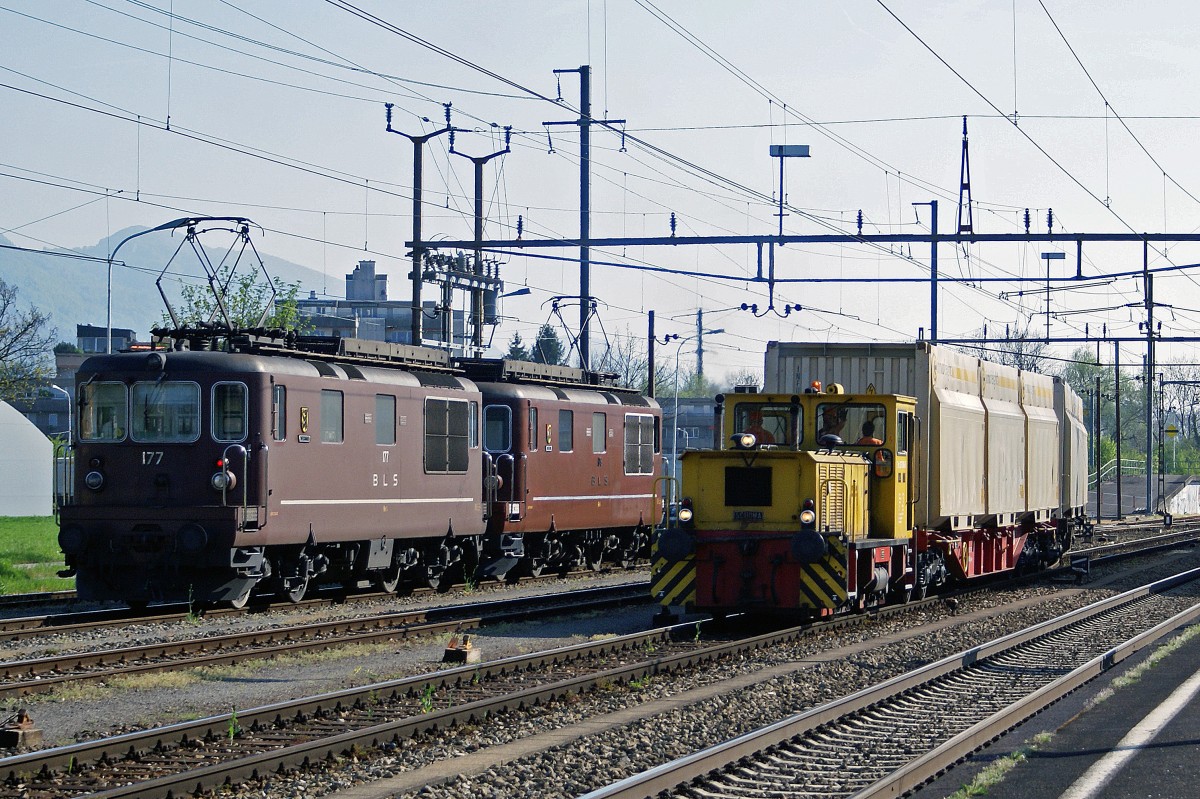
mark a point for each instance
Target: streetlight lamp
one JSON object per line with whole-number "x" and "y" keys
{"x": 782, "y": 151}
{"x": 1050, "y": 256}
{"x": 675, "y": 421}
{"x": 67, "y": 394}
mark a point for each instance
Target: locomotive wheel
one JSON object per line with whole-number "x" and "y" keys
{"x": 435, "y": 577}
{"x": 242, "y": 599}
{"x": 388, "y": 580}
{"x": 295, "y": 589}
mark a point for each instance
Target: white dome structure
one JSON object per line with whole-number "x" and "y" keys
{"x": 26, "y": 466}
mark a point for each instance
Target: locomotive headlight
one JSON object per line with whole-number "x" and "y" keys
{"x": 223, "y": 481}
{"x": 744, "y": 441}
{"x": 94, "y": 480}
{"x": 808, "y": 515}
{"x": 686, "y": 516}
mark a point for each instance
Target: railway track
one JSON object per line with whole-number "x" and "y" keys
{"x": 230, "y": 748}
{"x": 18, "y": 628}
{"x": 891, "y": 738}
{"x": 181, "y": 758}
{"x": 41, "y": 675}
{"x": 45, "y": 674}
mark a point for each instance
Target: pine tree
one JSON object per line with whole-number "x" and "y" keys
{"x": 516, "y": 349}
{"x": 547, "y": 348}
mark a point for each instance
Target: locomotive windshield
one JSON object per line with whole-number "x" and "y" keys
{"x": 103, "y": 411}
{"x": 855, "y": 423}
{"x": 770, "y": 423}
{"x": 165, "y": 412}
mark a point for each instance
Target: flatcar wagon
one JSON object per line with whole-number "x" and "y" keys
{"x": 865, "y": 497}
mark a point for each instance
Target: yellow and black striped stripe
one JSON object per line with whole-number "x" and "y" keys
{"x": 673, "y": 582}
{"x": 823, "y": 584}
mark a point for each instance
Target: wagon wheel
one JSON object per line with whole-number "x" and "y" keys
{"x": 388, "y": 580}
{"x": 294, "y": 588}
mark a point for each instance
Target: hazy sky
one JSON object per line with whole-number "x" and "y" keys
{"x": 276, "y": 113}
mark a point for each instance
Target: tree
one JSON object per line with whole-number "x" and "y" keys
{"x": 625, "y": 356}
{"x": 1020, "y": 349}
{"x": 547, "y": 347}
{"x": 516, "y": 349}
{"x": 25, "y": 344}
{"x": 744, "y": 377}
{"x": 244, "y": 301}
{"x": 67, "y": 348}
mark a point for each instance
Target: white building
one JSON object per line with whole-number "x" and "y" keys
{"x": 26, "y": 466}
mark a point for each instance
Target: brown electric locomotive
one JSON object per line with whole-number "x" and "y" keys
{"x": 238, "y": 462}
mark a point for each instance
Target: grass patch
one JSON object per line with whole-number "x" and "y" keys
{"x": 994, "y": 774}
{"x": 29, "y": 555}
{"x": 1137, "y": 672}
{"x": 246, "y": 669}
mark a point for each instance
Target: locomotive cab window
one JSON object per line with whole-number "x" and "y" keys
{"x": 473, "y": 421}
{"x": 902, "y": 432}
{"x": 566, "y": 431}
{"x": 279, "y": 413}
{"x": 770, "y": 423}
{"x": 103, "y": 412}
{"x": 639, "y": 443}
{"x": 165, "y": 412}
{"x": 446, "y": 436}
{"x": 332, "y": 424}
{"x": 599, "y": 432}
{"x": 497, "y": 428}
{"x": 863, "y": 424}
{"x": 385, "y": 419}
{"x": 230, "y": 408}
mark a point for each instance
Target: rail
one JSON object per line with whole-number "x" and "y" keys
{"x": 669, "y": 778}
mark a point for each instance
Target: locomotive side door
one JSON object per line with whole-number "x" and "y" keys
{"x": 238, "y": 434}
{"x": 500, "y": 445}
{"x": 890, "y": 486}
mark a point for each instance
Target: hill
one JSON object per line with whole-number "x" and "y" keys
{"x": 73, "y": 291}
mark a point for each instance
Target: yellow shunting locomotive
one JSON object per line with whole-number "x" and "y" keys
{"x": 826, "y": 500}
